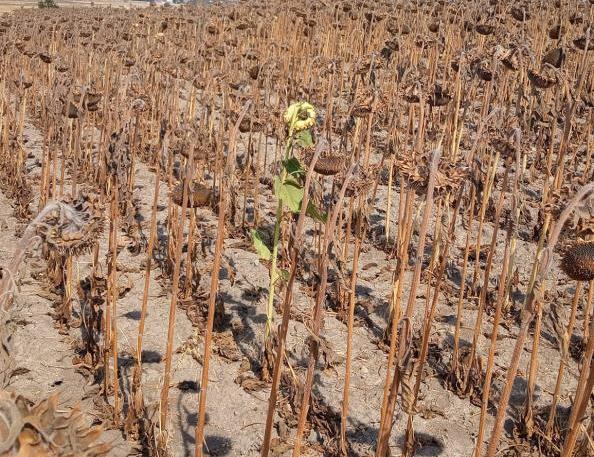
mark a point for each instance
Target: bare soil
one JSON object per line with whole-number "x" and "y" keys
{"x": 446, "y": 424}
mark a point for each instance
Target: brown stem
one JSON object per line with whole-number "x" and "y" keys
{"x": 428, "y": 322}
{"x": 492, "y": 249}
{"x": 533, "y": 370}
{"x": 483, "y": 209}
{"x": 224, "y": 191}
{"x": 113, "y": 290}
{"x": 386, "y": 426}
{"x": 389, "y": 202}
{"x": 349, "y": 349}
{"x": 385, "y": 430}
{"x": 455, "y": 356}
{"x": 174, "y": 295}
{"x": 137, "y": 375}
{"x": 565, "y": 342}
{"x": 491, "y": 358}
{"x": 395, "y": 304}
{"x": 318, "y": 313}
{"x": 423, "y": 232}
{"x": 189, "y": 255}
{"x": 582, "y": 397}
{"x": 284, "y": 326}
{"x": 570, "y": 111}
{"x": 588, "y": 311}
{"x": 527, "y": 316}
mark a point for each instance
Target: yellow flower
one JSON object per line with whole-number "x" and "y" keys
{"x": 300, "y": 116}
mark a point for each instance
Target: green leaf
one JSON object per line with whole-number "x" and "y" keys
{"x": 315, "y": 213}
{"x": 294, "y": 168}
{"x": 304, "y": 138}
{"x": 291, "y": 193}
{"x": 259, "y": 245}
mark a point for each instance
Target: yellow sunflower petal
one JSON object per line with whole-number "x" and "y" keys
{"x": 291, "y": 116}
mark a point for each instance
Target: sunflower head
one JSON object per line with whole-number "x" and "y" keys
{"x": 300, "y": 116}
{"x": 578, "y": 261}
{"x": 72, "y": 225}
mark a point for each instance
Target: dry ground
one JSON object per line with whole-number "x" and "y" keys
{"x": 446, "y": 425}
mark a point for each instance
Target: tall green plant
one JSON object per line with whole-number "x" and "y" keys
{"x": 300, "y": 118}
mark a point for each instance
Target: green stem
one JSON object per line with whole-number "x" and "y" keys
{"x": 273, "y": 273}
{"x": 275, "y": 242}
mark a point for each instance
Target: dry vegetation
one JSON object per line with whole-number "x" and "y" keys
{"x": 11, "y": 5}
{"x": 298, "y": 228}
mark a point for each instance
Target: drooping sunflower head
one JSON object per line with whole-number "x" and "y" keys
{"x": 578, "y": 261}
{"x": 300, "y": 116}
{"x": 72, "y": 225}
